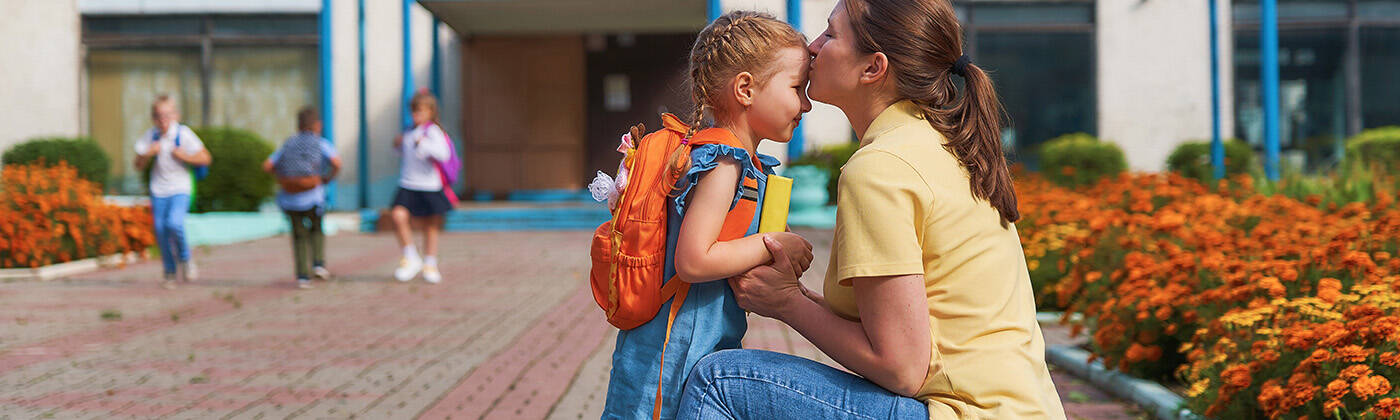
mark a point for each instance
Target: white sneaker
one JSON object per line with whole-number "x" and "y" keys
{"x": 321, "y": 273}
{"x": 432, "y": 275}
{"x": 408, "y": 268}
{"x": 189, "y": 271}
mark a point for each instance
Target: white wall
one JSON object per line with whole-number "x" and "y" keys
{"x": 383, "y": 86}
{"x": 40, "y": 76}
{"x": 200, "y": 6}
{"x": 345, "y": 80}
{"x": 1154, "y": 76}
{"x": 825, "y": 124}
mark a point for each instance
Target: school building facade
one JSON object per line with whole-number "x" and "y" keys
{"x": 536, "y": 92}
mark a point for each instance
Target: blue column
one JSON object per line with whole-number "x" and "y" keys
{"x": 437, "y": 60}
{"x": 407, "y": 62}
{"x": 327, "y": 87}
{"x": 798, "y": 143}
{"x": 363, "y": 154}
{"x": 713, "y": 9}
{"x": 1268, "y": 78}
{"x": 1217, "y": 147}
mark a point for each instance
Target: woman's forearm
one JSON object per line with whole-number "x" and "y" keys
{"x": 846, "y": 342}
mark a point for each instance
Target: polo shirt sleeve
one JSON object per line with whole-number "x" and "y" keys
{"x": 880, "y": 201}
{"x": 328, "y": 149}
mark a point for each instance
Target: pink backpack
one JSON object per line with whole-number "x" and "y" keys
{"x": 449, "y": 170}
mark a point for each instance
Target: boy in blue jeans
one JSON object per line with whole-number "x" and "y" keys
{"x": 171, "y": 184}
{"x": 300, "y": 167}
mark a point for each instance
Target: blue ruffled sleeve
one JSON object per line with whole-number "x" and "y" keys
{"x": 705, "y": 158}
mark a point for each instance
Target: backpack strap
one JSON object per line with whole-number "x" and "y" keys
{"x": 673, "y": 123}
{"x": 678, "y": 289}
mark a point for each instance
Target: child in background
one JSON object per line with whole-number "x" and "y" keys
{"x": 300, "y": 167}
{"x": 170, "y": 185}
{"x": 421, "y": 201}
{"x": 749, "y": 71}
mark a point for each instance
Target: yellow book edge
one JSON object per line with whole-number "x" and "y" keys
{"x": 776, "y": 197}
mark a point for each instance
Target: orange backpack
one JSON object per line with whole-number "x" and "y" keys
{"x": 629, "y": 251}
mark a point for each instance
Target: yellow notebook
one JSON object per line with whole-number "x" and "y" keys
{"x": 775, "y": 204}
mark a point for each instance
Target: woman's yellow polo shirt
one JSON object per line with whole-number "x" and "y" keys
{"x": 904, "y": 206}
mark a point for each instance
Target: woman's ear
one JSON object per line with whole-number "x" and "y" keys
{"x": 744, "y": 89}
{"x": 876, "y": 68}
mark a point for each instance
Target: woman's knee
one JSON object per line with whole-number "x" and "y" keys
{"x": 714, "y": 365}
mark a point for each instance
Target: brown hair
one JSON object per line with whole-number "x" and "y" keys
{"x": 740, "y": 41}
{"x": 922, "y": 40}
{"x": 424, "y": 98}
{"x": 306, "y": 117}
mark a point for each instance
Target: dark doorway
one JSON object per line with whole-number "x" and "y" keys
{"x": 652, "y": 69}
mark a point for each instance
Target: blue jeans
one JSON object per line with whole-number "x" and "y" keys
{"x": 170, "y": 228}
{"x": 758, "y": 384}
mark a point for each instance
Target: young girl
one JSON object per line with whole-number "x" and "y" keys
{"x": 748, "y": 71}
{"x": 420, "y": 201}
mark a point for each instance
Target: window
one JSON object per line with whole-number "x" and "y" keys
{"x": 256, "y": 71}
{"x": 1008, "y": 39}
{"x": 1380, "y": 76}
{"x": 1314, "y": 38}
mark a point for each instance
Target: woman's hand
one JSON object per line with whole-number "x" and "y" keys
{"x": 769, "y": 290}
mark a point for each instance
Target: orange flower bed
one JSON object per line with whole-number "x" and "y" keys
{"x": 1265, "y": 306}
{"x": 50, "y": 215}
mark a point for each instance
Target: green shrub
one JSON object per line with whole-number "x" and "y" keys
{"x": 81, "y": 153}
{"x": 236, "y": 181}
{"x": 1377, "y": 149}
{"x": 829, "y": 159}
{"x": 1192, "y": 160}
{"x": 1079, "y": 159}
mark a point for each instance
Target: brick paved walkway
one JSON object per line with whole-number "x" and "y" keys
{"x": 512, "y": 333}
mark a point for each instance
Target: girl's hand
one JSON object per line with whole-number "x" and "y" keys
{"x": 398, "y": 141}
{"x": 798, "y": 250}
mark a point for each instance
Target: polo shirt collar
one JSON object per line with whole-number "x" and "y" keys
{"x": 895, "y": 116}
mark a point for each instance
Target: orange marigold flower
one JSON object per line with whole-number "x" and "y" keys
{"x": 1391, "y": 359}
{"x": 1272, "y": 286}
{"x": 1271, "y": 398}
{"x": 1328, "y": 295}
{"x": 1387, "y": 407}
{"x": 1319, "y": 356}
{"x": 1353, "y": 372}
{"x": 1331, "y": 406}
{"x": 1370, "y": 386}
{"x": 1236, "y": 376}
{"x": 1337, "y": 388}
{"x": 1353, "y": 353}
{"x": 1328, "y": 283}
{"x": 1164, "y": 313}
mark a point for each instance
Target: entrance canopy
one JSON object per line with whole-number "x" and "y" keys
{"x": 471, "y": 17}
